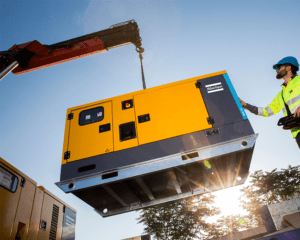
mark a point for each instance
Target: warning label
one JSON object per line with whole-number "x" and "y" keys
{"x": 5, "y": 179}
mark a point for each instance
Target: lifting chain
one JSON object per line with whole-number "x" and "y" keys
{"x": 140, "y": 50}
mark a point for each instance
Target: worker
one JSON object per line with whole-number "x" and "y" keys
{"x": 286, "y": 69}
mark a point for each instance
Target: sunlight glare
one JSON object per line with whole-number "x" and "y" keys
{"x": 227, "y": 201}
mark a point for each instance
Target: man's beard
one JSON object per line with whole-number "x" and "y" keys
{"x": 281, "y": 74}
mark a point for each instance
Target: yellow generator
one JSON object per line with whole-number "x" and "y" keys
{"x": 157, "y": 145}
{"x": 31, "y": 212}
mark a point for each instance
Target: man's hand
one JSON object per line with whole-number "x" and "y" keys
{"x": 244, "y": 104}
{"x": 297, "y": 112}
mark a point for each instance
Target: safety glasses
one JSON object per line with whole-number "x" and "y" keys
{"x": 279, "y": 66}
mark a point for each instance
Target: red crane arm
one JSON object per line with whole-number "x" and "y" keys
{"x": 34, "y": 55}
{"x": 45, "y": 56}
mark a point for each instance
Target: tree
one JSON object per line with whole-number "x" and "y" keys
{"x": 267, "y": 188}
{"x": 181, "y": 220}
{"x": 186, "y": 219}
{"x": 231, "y": 224}
{"x": 264, "y": 188}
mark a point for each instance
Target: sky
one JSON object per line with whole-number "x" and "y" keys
{"x": 182, "y": 39}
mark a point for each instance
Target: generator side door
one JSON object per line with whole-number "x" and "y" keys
{"x": 51, "y": 219}
{"x": 34, "y": 224}
{"x": 169, "y": 112}
{"x": 90, "y": 131}
{"x": 22, "y": 218}
{"x": 10, "y": 191}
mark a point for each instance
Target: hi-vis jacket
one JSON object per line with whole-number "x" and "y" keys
{"x": 291, "y": 95}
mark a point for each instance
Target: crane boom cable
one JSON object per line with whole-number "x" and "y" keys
{"x": 140, "y": 50}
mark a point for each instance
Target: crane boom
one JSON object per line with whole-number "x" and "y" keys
{"x": 33, "y": 55}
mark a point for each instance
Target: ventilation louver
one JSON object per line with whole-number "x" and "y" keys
{"x": 54, "y": 222}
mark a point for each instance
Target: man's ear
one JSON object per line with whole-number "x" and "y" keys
{"x": 288, "y": 68}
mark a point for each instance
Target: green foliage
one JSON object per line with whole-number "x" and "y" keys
{"x": 181, "y": 220}
{"x": 267, "y": 188}
{"x": 264, "y": 188}
{"x": 186, "y": 219}
{"x": 231, "y": 224}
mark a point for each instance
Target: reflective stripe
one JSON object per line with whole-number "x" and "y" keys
{"x": 293, "y": 100}
{"x": 269, "y": 111}
{"x": 260, "y": 111}
{"x": 294, "y": 108}
{"x": 292, "y": 111}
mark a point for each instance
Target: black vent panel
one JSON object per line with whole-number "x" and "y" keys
{"x": 54, "y": 222}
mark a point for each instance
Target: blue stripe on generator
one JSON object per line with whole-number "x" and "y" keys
{"x": 235, "y": 96}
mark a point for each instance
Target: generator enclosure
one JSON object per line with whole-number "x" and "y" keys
{"x": 157, "y": 145}
{"x": 28, "y": 211}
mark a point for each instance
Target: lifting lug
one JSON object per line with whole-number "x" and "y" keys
{"x": 198, "y": 84}
{"x": 210, "y": 120}
{"x": 67, "y": 155}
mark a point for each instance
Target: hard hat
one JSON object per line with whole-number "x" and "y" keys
{"x": 290, "y": 60}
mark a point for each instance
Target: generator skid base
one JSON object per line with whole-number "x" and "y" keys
{"x": 157, "y": 145}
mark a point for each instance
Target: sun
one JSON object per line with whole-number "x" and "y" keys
{"x": 228, "y": 201}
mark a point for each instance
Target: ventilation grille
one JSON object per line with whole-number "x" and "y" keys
{"x": 54, "y": 222}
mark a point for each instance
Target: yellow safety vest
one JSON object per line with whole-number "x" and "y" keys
{"x": 291, "y": 95}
